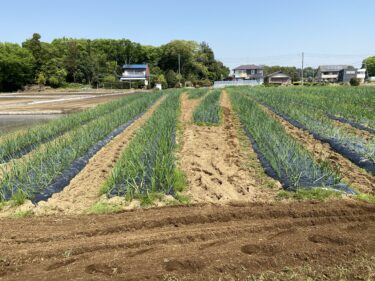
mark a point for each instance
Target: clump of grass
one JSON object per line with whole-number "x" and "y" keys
{"x": 180, "y": 181}
{"x": 366, "y": 197}
{"x": 149, "y": 199}
{"x": 19, "y": 197}
{"x": 183, "y": 199}
{"x": 23, "y": 214}
{"x": 104, "y": 208}
{"x": 306, "y": 194}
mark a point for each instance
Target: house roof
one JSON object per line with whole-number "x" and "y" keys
{"x": 337, "y": 67}
{"x": 248, "y": 67}
{"x": 278, "y": 73}
{"x": 134, "y": 66}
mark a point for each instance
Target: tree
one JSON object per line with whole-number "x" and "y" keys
{"x": 41, "y": 79}
{"x": 16, "y": 67}
{"x": 369, "y": 63}
{"x": 35, "y": 47}
{"x": 171, "y": 78}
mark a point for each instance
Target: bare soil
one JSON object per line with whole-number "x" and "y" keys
{"x": 83, "y": 190}
{"x": 48, "y": 103}
{"x": 200, "y": 242}
{"x": 352, "y": 174}
{"x": 211, "y": 157}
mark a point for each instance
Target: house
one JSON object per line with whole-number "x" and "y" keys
{"x": 135, "y": 72}
{"x": 346, "y": 74}
{"x": 330, "y": 73}
{"x": 361, "y": 74}
{"x": 249, "y": 72}
{"x": 278, "y": 78}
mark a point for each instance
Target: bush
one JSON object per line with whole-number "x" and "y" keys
{"x": 355, "y": 82}
{"x": 204, "y": 83}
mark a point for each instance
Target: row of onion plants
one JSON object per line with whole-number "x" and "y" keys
{"x": 290, "y": 162}
{"x": 317, "y": 122}
{"x": 209, "y": 111}
{"x": 147, "y": 166}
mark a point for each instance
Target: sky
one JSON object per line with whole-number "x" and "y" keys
{"x": 269, "y": 32}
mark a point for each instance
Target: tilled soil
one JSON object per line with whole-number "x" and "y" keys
{"x": 55, "y": 103}
{"x": 200, "y": 242}
{"x": 211, "y": 157}
{"x": 351, "y": 173}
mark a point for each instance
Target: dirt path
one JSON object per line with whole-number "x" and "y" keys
{"x": 83, "y": 190}
{"x": 212, "y": 159}
{"x": 201, "y": 242}
{"x": 352, "y": 174}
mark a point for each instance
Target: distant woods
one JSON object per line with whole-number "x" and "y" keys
{"x": 83, "y": 61}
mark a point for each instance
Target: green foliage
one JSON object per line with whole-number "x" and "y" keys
{"x": 41, "y": 79}
{"x": 16, "y": 67}
{"x": 171, "y": 78}
{"x": 209, "y": 111}
{"x": 23, "y": 214}
{"x": 93, "y": 62}
{"x": 19, "y": 197}
{"x": 104, "y": 208}
{"x": 147, "y": 166}
{"x": 369, "y": 63}
{"x": 355, "y": 81}
{"x": 366, "y": 197}
{"x": 287, "y": 157}
{"x": 318, "y": 194}
{"x": 310, "y": 107}
{"x": 109, "y": 78}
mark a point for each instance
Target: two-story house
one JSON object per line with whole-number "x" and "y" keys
{"x": 135, "y": 72}
{"x": 249, "y": 72}
{"x": 330, "y": 73}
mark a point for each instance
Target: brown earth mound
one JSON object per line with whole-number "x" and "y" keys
{"x": 212, "y": 159}
{"x": 201, "y": 242}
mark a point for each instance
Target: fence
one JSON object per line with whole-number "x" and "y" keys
{"x": 222, "y": 84}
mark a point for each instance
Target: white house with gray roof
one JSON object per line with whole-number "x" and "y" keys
{"x": 249, "y": 72}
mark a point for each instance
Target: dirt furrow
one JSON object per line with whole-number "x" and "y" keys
{"x": 83, "y": 190}
{"x": 189, "y": 243}
{"x": 351, "y": 173}
{"x": 217, "y": 169}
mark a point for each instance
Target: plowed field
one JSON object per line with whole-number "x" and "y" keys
{"x": 201, "y": 242}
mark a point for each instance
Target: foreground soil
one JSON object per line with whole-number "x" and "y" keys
{"x": 199, "y": 242}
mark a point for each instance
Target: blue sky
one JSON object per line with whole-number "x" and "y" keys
{"x": 261, "y": 32}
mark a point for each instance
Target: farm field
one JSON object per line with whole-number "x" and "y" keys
{"x": 200, "y": 184}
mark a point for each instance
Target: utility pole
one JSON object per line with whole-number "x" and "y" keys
{"x": 302, "y": 69}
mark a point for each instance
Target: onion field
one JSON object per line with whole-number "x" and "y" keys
{"x": 41, "y": 161}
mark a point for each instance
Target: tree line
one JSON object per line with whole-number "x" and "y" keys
{"x": 84, "y": 61}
